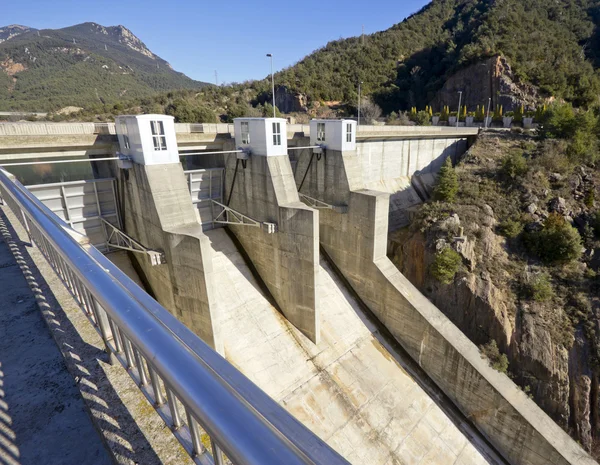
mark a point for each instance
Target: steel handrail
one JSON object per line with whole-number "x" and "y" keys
{"x": 166, "y": 359}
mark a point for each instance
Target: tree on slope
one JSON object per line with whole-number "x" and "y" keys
{"x": 447, "y": 183}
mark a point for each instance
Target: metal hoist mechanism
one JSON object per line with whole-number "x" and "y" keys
{"x": 119, "y": 240}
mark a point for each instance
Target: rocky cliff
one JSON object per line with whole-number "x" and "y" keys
{"x": 551, "y": 343}
{"x": 489, "y": 79}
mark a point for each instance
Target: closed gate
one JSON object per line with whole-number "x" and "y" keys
{"x": 83, "y": 205}
{"x": 205, "y": 186}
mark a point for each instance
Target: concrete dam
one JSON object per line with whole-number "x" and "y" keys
{"x": 268, "y": 241}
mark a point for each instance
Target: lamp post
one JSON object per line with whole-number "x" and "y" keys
{"x": 358, "y": 122}
{"x": 487, "y": 118}
{"x": 459, "y": 103}
{"x": 270, "y": 55}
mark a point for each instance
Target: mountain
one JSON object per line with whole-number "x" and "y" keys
{"x": 552, "y": 46}
{"x": 80, "y": 65}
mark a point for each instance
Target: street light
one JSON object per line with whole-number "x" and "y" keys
{"x": 487, "y": 118}
{"x": 359, "y": 83}
{"x": 459, "y": 102}
{"x": 270, "y": 55}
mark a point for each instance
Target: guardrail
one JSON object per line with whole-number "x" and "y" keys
{"x": 206, "y": 402}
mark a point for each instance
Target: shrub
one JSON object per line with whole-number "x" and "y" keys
{"x": 510, "y": 228}
{"x": 447, "y": 183}
{"x": 519, "y": 113}
{"x": 514, "y": 165}
{"x": 445, "y": 265}
{"x": 539, "y": 288}
{"x": 497, "y": 360}
{"x": 422, "y": 118}
{"x": 369, "y": 111}
{"x": 590, "y": 198}
{"x": 558, "y": 122}
{"x": 392, "y": 117}
{"x": 557, "y": 242}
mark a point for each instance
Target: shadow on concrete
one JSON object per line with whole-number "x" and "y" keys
{"x": 405, "y": 361}
{"x": 85, "y": 362}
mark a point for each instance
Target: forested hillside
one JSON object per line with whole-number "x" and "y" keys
{"x": 553, "y": 45}
{"x": 80, "y": 65}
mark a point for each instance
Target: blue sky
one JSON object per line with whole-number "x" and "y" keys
{"x": 233, "y": 37}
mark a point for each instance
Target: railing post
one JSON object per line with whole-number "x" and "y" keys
{"x": 102, "y": 320}
{"x": 26, "y": 225}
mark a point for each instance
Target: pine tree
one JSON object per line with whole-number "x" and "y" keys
{"x": 447, "y": 183}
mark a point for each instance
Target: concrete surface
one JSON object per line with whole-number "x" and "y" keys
{"x": 288, "y": 261}
{"x": 351, "y": 388}
{"x": 405, "y": 169}
{"x": 132, "y": 431}
{"x": 43, "y": 418}
{"x": 158, "y": 212}
{"x": 357, "y": 244}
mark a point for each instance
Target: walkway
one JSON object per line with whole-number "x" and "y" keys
{"x": 42, "y": 414}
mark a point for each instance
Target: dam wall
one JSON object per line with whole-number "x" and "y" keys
{"x": 356, "y": 242}
{"x": 405, "y": 168}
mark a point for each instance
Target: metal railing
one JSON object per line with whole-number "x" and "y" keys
{"x": 206, "y": 402}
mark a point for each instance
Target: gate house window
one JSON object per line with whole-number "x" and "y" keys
{"x": 158, "y": 135}
{"x": 348, "y": 132}
{"x": 124, "y": 133}
{"x": 276, "y": 133}
{"x": 321, "y": 132}
{"x": 245, "y": 132}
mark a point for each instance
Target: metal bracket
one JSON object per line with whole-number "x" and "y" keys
{"x": 119, "y": 240}
{"x": 124, "y": 162}
{"x": 228, "y": 215}
{"x": 320, "y": 205}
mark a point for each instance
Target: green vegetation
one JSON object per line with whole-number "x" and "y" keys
{"x": 447, "y": 183}
{"x": 184, "y": 112}
{"x": 539, "y": 288}
{"x": 498, "y": 361}
{"x": 578, "y": 127}
{"x": 532, "y": 189}
{"x": 405, "y": 65}
{"x": 514, "y": 165}
{"x": 400, "y": 68}
{"x": 510, "y": 228}
{"x": 446, "y": 265}
{"x": 59, "y": 73}
{"x": 422, "y": 118}
{"x": 557, "y": 242}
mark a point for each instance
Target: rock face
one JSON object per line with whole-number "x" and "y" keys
{"x": 492, "y": 78}
{"x": 481, "y": 303}
{"x": 8, "y": 32}
{"x": 288, "y": 101}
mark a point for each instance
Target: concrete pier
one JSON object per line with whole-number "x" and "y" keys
{"x": 288, "y": 261}
{"x": 158, "y": 213}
